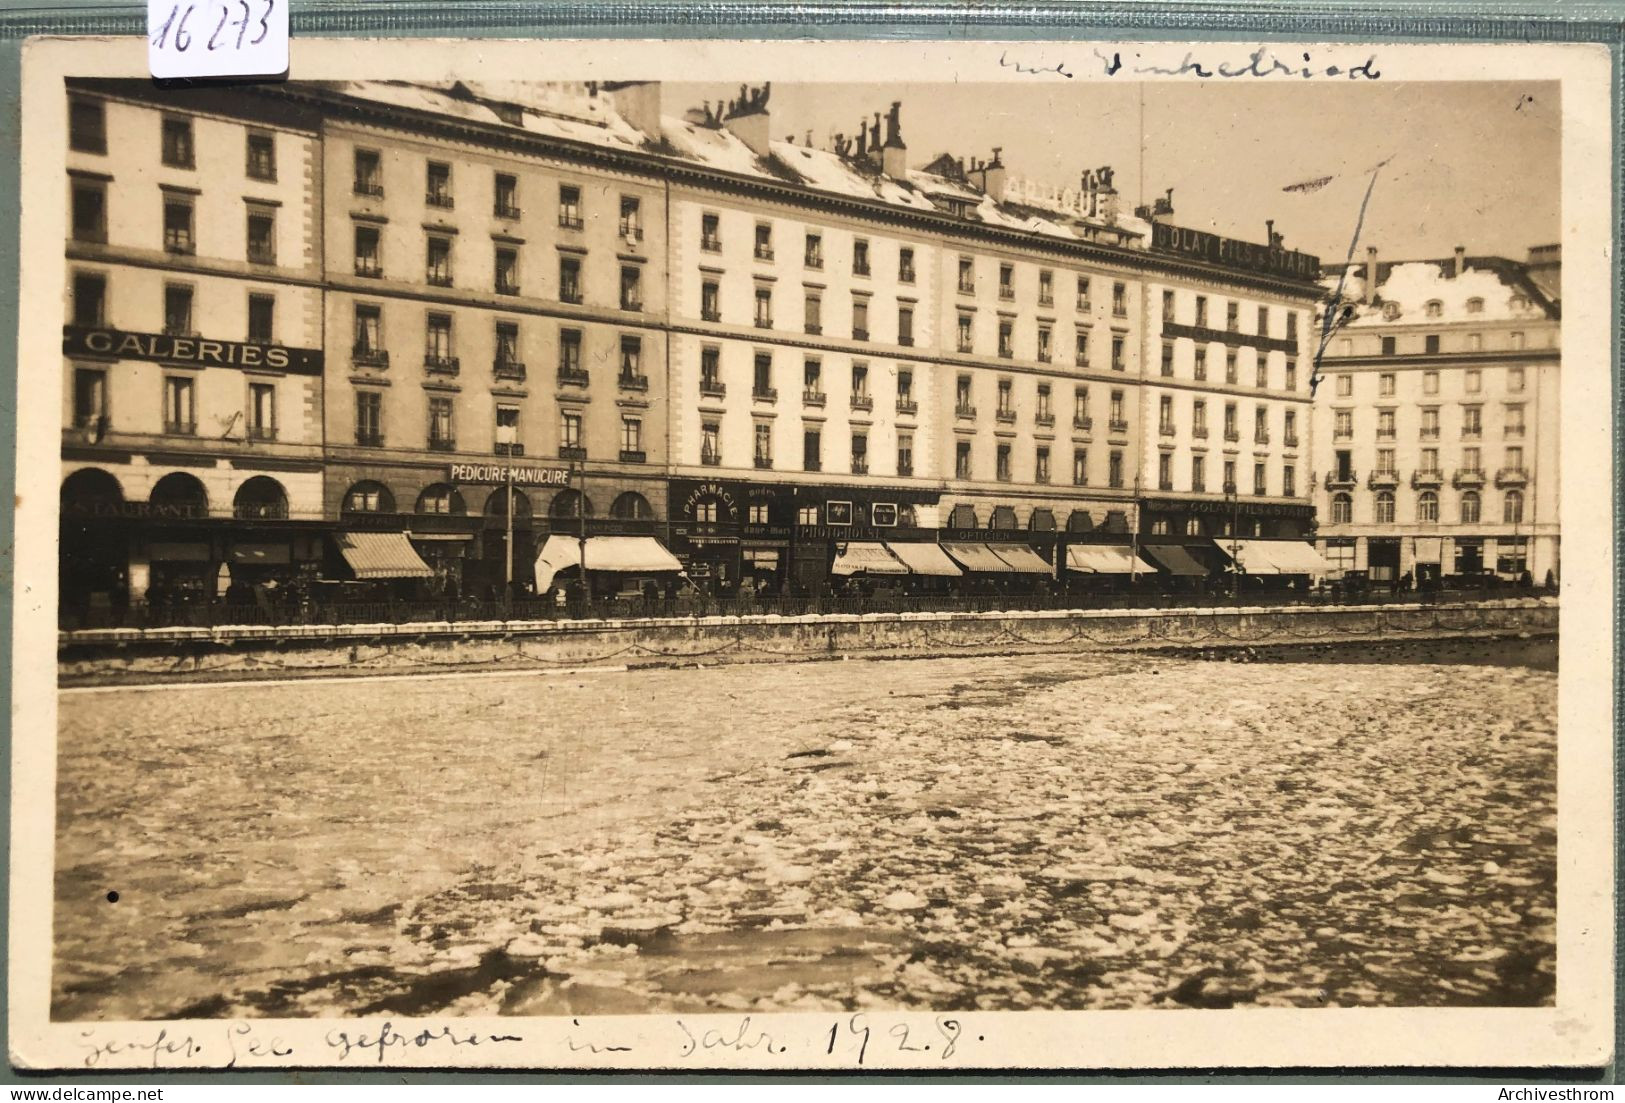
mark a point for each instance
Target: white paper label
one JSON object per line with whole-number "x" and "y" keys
{"x": 217, "y": 38}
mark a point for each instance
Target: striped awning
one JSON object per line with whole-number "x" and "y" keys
{"x": 382, "y": 555}
{"x": 1103, "y": 559}
{"x": 866, "y": 557}
{"x": 923, "y": 558}
{"x": 625, "y": 554}
{"x": 978, "y": 557}
{"x": 1021, "y": 558}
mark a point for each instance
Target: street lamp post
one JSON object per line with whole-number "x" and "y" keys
{"x": 1234, "y": 499}
{"x": 580, "y": 465}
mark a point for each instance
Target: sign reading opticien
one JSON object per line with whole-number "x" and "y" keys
{"x": 500, "y": 473}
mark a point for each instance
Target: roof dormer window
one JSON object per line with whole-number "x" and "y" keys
{"x": 1434, "y": 308}
{"x": 1475, "y": 305}
{"x": 1390, "y": 312}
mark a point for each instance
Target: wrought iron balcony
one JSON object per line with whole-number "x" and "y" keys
{"x": 442, "y": 444}
{"x": 1117, "y": 425}
{"x": 634, "y": 455}
{"x": 441, "y": 365}
{"x": 1511, "y": 476}
{"x": 812, "y": 397}
{"x": 862, "y": 402}
{"x": 1084, "y": 423}
{"x": 1382, "y": 480}
{"x": 439, "y": 199}
{"x": 1426, "y": 479}
{"x": 1047, "y": 420}
{"x": 713, "y": 388}
{"x": 572, "y": 452}
{"x": 1342, "y": 480}
{"x": 1005, "y": 414}
{"x": 508, "y": 369}
{"x": 573, "y": 377}
{"x": 964, "y": 409}
{"x": 907, "y": 407}
{"x": 508, "y": 211}
{"x": 1467, "y": 477}
{"x": 765, "y": 394}
{"x": 631, "y": 381}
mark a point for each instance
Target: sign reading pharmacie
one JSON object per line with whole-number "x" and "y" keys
{"x": 198, "y": 352}
{"x": 1234, "y": 253}
{"x": 522, "y": 475}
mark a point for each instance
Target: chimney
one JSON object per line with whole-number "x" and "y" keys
{"x": 638, "y": 102}
{"x": 747, "y": 118}
{"x": 989, "y": 176}
{"x": 1370, "y": 274}
{"x": 894, "y": 154}
{"x": 1461, "y": 260}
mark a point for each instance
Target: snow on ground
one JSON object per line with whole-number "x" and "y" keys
{"x": 1034, "y": 832}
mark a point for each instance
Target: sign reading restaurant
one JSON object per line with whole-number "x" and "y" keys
{"x": 201, "y": 352}
{"x": 1234, "y": 253}
{"x": 501, "y": 472}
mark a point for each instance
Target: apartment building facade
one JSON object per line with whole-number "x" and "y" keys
{"x": 1438, "y": 422}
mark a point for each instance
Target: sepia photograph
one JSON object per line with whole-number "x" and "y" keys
{"x": 1061, "y": 535}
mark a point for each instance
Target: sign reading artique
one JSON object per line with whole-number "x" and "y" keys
{"x": 501, "y": 472}
{"x": 1235, "y": 253}
{"x": 200, "y": 352}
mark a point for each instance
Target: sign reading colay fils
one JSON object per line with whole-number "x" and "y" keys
{"x": 1230, "y": 251}
{"x": 199, "y": 352}
{"x": 500, "y": 473}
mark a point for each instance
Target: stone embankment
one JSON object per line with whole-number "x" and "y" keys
{"x": 128, "y": 656}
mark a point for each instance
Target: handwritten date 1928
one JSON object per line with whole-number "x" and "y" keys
{"x": 857, "y": 1034}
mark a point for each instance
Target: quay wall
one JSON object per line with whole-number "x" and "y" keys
{"x": 114, "y": 656}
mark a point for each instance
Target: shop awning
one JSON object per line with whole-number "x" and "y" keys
{"x": 179, "y": 552}
{"x": 625, "y": 554}
{"x": 382, "y": 555}
{"x": 1021, "y": 558}
{"x": 925, "y": 559}
{"x": 442, "y": 537}
{"x": 1103, "y": 559}
{"x": 1252, "y": 556}
{"x": 866, "y": 557}
{"x": 1174, "y": 559}
{"x": 1296, "y": 557}
{"x": 978, "y": 557}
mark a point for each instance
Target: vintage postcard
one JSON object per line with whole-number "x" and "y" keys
{"x": 817, "y": 556}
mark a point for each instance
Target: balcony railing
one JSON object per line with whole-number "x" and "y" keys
{"x": 262, "y": 432}
{"x": 1466, "y": 476}
{"x": 1084, "y": 423}
{"x": 763, "y": 252}
{"x": 1424, "y": 479}
{"x": 439, "y": 199}
{"x": 860, "y": 268}
{"x": 369, "y": 269}
{"x": 710, "y": 458}
{"x": 371, "y": 188}
{"x": 569, "y": 294}
{"x": 859, "y": 333}
{"x": 572, "y": 452}
{"x": 814, "y": 328}
{"x": 364, "y": 357}
{"x": 508, "y": 211}
{"x": 261, "y": 256}
{"x": 905, "y": 275}
{"x": 507, "y": 287}
{"x": 1005, "y": 414}
{"x": 441, "y": 365}
{"x": 712, "y": 388}
{"x": 631, "y": 381}
{"x": 634, "y": 455}
{"x": 1382, "y": 480}
{"x": 438, "y": 279}
{"x": 1118, "y": 425}
{"x": 509, "y": 449}
{"x": 862, "y": 402}
{"x": 1199, "y": 432}
{"x": 1232, "y": 435}
{"x": 967, "y": 288}
{"x": 711, "y": 243}
{"x": 573, "y": 377}
{"x": 1006, "y": 352}
{"x": 710, "y": 315}
{"x": 904, "y": 470}
{"x": 964, "y": 409}
{"x": 907, "y": 407}
{"x": 764, "y": 463}
{"x": 1342, "y": 480}
{"x": 860, "y": 466}
{"x": 1006, "y": 292}
{"x": 764, "y": 322}
{"x": 1469, "y": 432}
{"x": 813, "y": 260}
{"x": 906, "y": 340}
{"x": 1291, "y": 440}
{"x": 812, "y": 397}
{"x": 631, "y": 302}
{"x": 1511, "y": 476}
{"x": 1166, "y": 429}
{"x": 1047, "y": 420}
{"x": 1261, "y": 438}
{"x": 764, "y": 394}
{"x": 442, "y": 444}
{"x": 629, "y": 232}
{"x": 508, "y": 369}
{"x": 180, "y": 428}
{"x": 966, "y": 346}
{"x": 1046, "y": 300}
{"x": 369, "y": 440}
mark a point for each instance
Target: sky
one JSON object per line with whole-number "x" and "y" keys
{"x": 1467, "y": 163}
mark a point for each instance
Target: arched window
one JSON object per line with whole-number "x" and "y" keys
{"x": 181, "y": 492}
{"x": 1469, "y": 507}
{"x": 570, "y": 503}
{"x": 1475, "y": 305}
{"x": 1427, "y": 507}
{"x": 369, "y": 497}
{"x": 496, "y": 504}
{"x": 1003, "y": 519}
{"x": 1434, "y": 308}
{"x": 1518, "y": 302}
{"x": 1390, "y": 312}
{"x": 1079, "y": 521}
{"x": 1512, "y": 507}
{"x": 259, "y": 499}
{"x": 441, "y": 498}
{"x": 90, "y": 490}
{"x": 963, "y": 517}
{"x": 1342, "y": 508}
{"x": 631, "y": 506}
{"x": 1042, "y": 520}
{"x": 1385, "y": 507}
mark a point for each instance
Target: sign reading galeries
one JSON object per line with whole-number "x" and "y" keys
{"x": 500, "y": 473}
{"x": 197, "y": 352}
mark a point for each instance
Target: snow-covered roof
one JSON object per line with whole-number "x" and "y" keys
{"x": 1489, "y": 289}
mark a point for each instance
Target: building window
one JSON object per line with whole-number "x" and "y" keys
{"x": 1345, "y": 386}
{"x": 1291, "y": 382}
{"x": 1198, "y": 474}
{"x": 1515, "y": 379}
{"x": 1389, "y": 344}
{"x": 812, "y": 379}
{"x": 440, "y": 424}
{"x": 1232, "y": 427}
{"x": 1116, "y": 410}
{"x": 905, "y": 389}
{"x": 1001, "y": 463}
{"x": 1385, "y": 507}
{"x": 1289, "y": 428}
{"x": 965, "y": 343}
{"x": 1165, "y": 415}
{"x": 1083, "y": 293}
{"x": 506, "y": 271}
{"x": 762, "y": 381}
{"x": 1430, "y": 423}
{"x": 710, "y": 233}
{"x": 1080, "y": 350}
{"x": 962, "y": 395}
{"x": 1512, "y": 508}
{"x": 710, "y": 443}
{"x": 1430, "y": 461}
{"x": 369, "y": 178}
{"x": 905, "y": 454}
{"x": 1470, "y": 459}
{"x": 506, "y": 359}
{"x": 860, "y": 257}
{"x": 1041, "y": 464}
{"x": 1385, "y": 425}
{"x": 1427, "y": 507}
{"x": 813, "y": 309}
{"x": 1263, "y": 372}
{"x": 860, "y": 383}
{"x": 1229, "y": 486}
{"x": 1433, "y": 308}
{"x": 368, "y": 262}
{"x": 178, "y": 236}
{"x": 1005, "y": 390}
{"x": 261, "y": 236}
{"x": 87, "y": 126}
{"x": 261, "y": 318}
{"x": 764, "y": 307}
{"x": 1514, "y": 422}
{"x": 1430, "y": 343}
{"x": 505, "y": 203}
{"x": 860, "y": 319}
{"x": 630, "y": 226}
{"x": 1261, "y": 425}
{"x": 631, "y": 287}
{"x": 1007, "y": 286}
{"x": 1474, "y": 381}
{"x": 369, "y": 418}
{"x": 1167, "y": 358}
{"x": 177, "y": 143}
{"x": 1007, "y": 342}
{"x": 1292, "y": 325}
{"x": 1199, "y": 418}
{"x": 89, "y": 299}
{"x": 860, "y": 453}
{"x": 1475, "y": 342}
{"x": 1080, "y": 467}
{"x": 1469, "y": 507}
{"x": 506, "y": 436}
{"x": 1263, "y": 321}
{"x": 570, "y": 353}
{"x": 89, "y": 211}
{"x": 180, "y": 409}
{"x": 1472, "y": 422}
{"x": 812, "y": 449}
{"x": 905, "y": 326}
{"x": 570, "y": 280}
{"x": 1199, "y": 363}
{"x": 764, "y": 444}
{"x": 710, "y": 301}
{"x": 570, "y": 438}
{"x": 177, "y": 309}
{"x": 1117, "y": 355}
{"x": 437, "y": 342}
{"x": 437, "y": 185}
{"x": 89, "y": 398}
{"x": 967, "y": 275}
{"x": 261, "y": 156}
{"x": 1342, "y": 508}
{"x": 1343, "y": 424}
{"x": 1289, "y": 480}
{"x": 1165, "y": 471}
{"x": 368, "y": 331}
{"x": 1232, "y": 316}
{"x": 962, "y": 468}
{"x": 1515, "y": 339}
{"x": 710, "y": 371}
{"x": 1120, "y": 300}
{"x": 764, "y": 241}
{"x": 905, "y": 266}
{"x": 1230, "y": 368}
{"x": 1201, "y": 311}
{"x": 813, "y": 251}
{"x": 569, "y": 207}
{"x": 1114, "y": 469}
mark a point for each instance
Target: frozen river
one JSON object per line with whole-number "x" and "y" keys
{"x": 1033, "y": 832}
